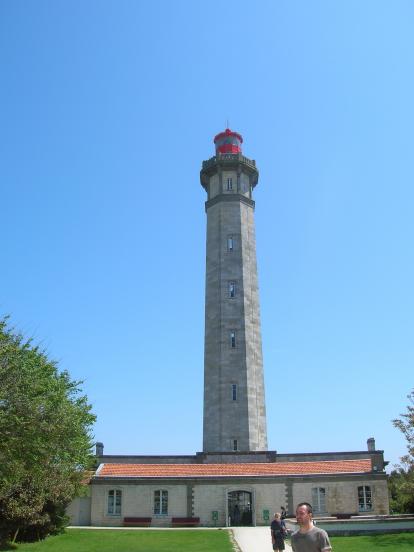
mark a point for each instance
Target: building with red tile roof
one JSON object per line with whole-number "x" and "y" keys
{"x": 236, "y": 488}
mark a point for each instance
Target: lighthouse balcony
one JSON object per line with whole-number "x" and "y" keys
{"x": 228, "y": 158}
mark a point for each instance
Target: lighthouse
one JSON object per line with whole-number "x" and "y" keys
{"x": 235, "y": 479}
{"x": 234, "y": 417}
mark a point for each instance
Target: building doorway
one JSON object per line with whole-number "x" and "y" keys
{"x": 239, "y": 508}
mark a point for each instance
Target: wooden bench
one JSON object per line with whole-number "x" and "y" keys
{"x": 185, "y": 521}
{"x": 345, "y": 515}
{"x": 137, "y": 521}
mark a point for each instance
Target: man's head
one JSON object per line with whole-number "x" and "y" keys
{"x": 304, "y": 513}
{"x": 277, "y": 515}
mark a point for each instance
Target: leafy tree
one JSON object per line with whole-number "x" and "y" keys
{"x": 402, "y": 479}
{"x": 45, "y": 443}
{"x": 406, "y": 425}
{"x": 400, "y": 485}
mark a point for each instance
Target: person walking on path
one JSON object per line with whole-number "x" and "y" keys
{"x": 309, "y": 538}
{"x": 278, "y": 532}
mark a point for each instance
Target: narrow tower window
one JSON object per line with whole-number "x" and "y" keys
{"x": 232, "y": 339}
{"x": 230, "y": 243}
{"x": 232, "y": 289}
{"x": 235, "y": 445}
{"x": 234, "y": 392}
{"x": 229, "y": 184}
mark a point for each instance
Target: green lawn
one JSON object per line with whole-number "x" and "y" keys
{"x": 399, "y": 542}
{"x": 85, "y": 540}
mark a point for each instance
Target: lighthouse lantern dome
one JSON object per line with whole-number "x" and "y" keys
{"x": 228, "y": 142}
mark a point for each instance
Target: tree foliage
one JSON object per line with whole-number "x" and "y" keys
{"x": 400, "y": 485}
{"x": 45, "y": 444}
{"x": 406, "y": 425}
{"x": 401, "y": 481}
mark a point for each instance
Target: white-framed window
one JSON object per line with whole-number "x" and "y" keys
{"x": 233, "y": 339}
{"x": 114, "y": 502}
{"x": 234, "y": 392}
{"x": 229, "y": 184}
{"x": 232, "y": 289}
{"x": 319, "y": 500}
{"x": 230, "y": 243}
{"x": 161, "y": 502}
{"x": 364, "y": 498}
{"x": 235, "y": 445}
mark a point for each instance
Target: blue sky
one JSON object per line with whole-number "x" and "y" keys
{"x": 107, "y": 111}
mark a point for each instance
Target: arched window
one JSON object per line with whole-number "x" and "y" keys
{"x": 114, "y": 502}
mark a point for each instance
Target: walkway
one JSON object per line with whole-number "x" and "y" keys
{"x": 255, "y": 539}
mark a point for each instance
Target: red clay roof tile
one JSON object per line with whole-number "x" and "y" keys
{"x": 232, "y": 470}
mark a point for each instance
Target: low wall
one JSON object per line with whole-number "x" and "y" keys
{"x": 361, "y": 525}
{"x": 79, "y": 511}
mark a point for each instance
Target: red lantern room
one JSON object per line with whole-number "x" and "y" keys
{"x": 228, "y": 142}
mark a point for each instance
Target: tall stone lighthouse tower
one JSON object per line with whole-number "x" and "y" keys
{"x": 234, "y": 402}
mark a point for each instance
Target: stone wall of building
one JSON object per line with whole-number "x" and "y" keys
{"x": 209, "y": 498}
{"x": 184, "y": 499}
{"x": 137, "y": 501}
{"x": 342, "y": 496}
{"x": 268, "y": 498}
{"x": 79, "y": 511}
{"x": 202, "y": 498}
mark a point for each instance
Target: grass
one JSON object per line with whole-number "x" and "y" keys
{"x": 198, "y": 540}
{"x": 396, "y": 542}
{"x": 85, "y": 540}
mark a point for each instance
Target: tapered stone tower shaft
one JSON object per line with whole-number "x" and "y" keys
{"x": 234, "y": 402}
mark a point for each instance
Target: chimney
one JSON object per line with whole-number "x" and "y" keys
{"x": 99, "y": 449}
{"x": 371, "y": 444}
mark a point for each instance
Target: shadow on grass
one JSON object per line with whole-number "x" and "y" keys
{"x": 391, "y": 542}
